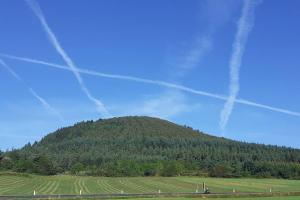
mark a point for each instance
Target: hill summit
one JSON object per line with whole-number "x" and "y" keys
{"x": 122, "y": 127}
{"x": 145, "y": 146}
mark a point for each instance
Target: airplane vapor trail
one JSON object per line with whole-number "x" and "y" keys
{"x": 153, "y": 82}
{"x": 44, "y": 103}
{"x": 56, "y": 44}
{"x": 244, "y": 27}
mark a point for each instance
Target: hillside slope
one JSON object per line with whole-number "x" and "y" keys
{"x": 149, "y": 146}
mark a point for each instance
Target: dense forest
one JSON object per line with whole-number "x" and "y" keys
{"x": 144, "y": 146}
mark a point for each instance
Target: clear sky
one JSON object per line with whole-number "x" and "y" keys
{"x": 191, "y": 43}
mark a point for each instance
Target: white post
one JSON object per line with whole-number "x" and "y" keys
{"x": 196, "y": 190}
{"x": 233, "y": 190}
{"x": 159, "y": 191}
{"x": 33, "y": 192}
{"x": 80, "y": 192}
{"x": 270, "y": 190}
{"x": 122, "y": 192}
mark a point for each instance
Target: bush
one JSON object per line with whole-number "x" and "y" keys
{"x": 42, "y": 165}
{"x": 221, "y": 170}
{"x": 77, "y": 168}
{"x": 172, "y": 168}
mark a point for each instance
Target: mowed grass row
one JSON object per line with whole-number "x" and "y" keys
{"x": 63, "y": 184}
{"x": 256, "y": 198}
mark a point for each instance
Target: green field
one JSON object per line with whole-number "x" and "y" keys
{"x": 63, "y": 184}
{"x": 257, "y": 198}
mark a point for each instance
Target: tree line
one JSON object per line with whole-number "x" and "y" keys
{"x": 143, "y": 146}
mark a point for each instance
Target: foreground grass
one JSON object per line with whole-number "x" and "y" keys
{"x": 25, "y": 185}
{"x": 252, "y": 198}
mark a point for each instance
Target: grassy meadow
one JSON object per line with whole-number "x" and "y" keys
{"x": 23, "y": 184}
{"x": 256, "y": 198}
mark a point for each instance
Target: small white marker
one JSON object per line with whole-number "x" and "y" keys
{"x": 233, "y": 190}
{"x": 122, "y": 192}
{"x": 80, "y": 192}
{"x": 159, "y": 191}
{"x": 270, "y": 189}
{"x": 33, "y": 192}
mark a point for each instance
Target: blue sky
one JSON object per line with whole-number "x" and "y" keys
{"x": 187, "y": 43}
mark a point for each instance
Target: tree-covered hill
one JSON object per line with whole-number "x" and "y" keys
{"x": 144, "y": 146}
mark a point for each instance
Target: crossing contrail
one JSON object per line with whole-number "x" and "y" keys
{"x": 153, "y": 82}
{"x": 44, "y": 103}
{"x": 245, "y": 25}
{"x": 56, "y": 44}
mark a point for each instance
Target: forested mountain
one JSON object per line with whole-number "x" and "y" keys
{"x": 144, "y": 146}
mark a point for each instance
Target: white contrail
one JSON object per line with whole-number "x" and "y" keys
{"x": 11, "y": 71}
{"x": 117, "y": 76}
{"x": 54, "y": 41}
{"x": 44, "y": 103}
{"x": 245, "y": 25}
{"x": 153, "y": 82}
{"x": 281, "y": 110}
